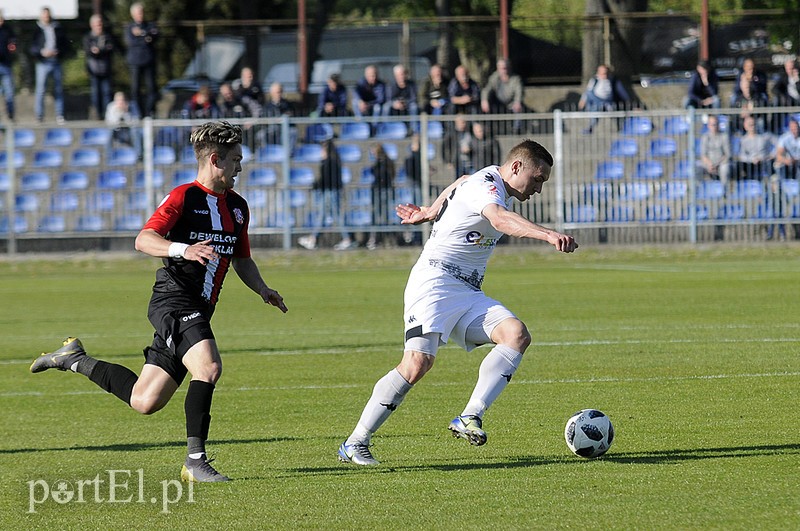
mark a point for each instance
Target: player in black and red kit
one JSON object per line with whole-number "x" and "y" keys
{"x": 200, "y": 230}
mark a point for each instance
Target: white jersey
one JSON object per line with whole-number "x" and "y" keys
{"x": 462, "y": 240}
{"x": 443, "y": 294}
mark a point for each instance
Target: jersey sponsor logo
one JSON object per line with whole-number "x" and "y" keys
{"x": 237, "y": 213}
{"x": 213, "y": 236}
{"x": 204, "y": 212}
{"x": 187, "y": 318}
{"x": 474, "y": 237}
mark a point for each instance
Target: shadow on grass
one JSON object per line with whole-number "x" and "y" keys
{"x": 136, "y": 447}
{"x": 640, "y": 458}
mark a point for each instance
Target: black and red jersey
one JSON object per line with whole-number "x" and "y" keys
{"x": 192, "y": 213}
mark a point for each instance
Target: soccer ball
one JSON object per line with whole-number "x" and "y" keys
{"x": 589, "y": 433}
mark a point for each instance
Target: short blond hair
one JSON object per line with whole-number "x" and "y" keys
{"x": 217, "y": 137}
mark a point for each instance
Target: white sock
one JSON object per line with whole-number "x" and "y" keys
{"x": 496, "y": 371}
{"x": 387, "y": 394}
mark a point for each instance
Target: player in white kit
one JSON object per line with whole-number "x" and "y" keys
{"x": 443, "y": 297}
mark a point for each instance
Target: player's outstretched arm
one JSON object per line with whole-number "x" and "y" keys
{"x": 513, "y": 224}
{"x": 150, "y": 242}
{"x": 248, "y": 271}
{"x": 414, "y": 215}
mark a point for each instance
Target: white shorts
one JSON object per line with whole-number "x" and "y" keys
{"x": 446, "y": 306}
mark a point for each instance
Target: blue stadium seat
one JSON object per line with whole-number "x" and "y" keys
{"x": 17, "y": 159}
{"x": 355, "y": 131}
{"x": 710, "y": 190}
{"x": 391, "y": 150}
{"x": 256, "y": 198}
{"x": 112, "y": 180}
{"x": 748, "y": 189}
{"x": 64, "y": 202}
{"x": 123, "y": 156}
{"x": 262, "y": 177}
{"x": 684, "y": 169}
{"x": 635, "y": 191}
{"x": 136, "y": 201}
{"x": 187, "y": 156}
{"x": 597, "y": 193}
{"x": 298, "y": 198}
{"x": 96, "y": 136}
{"x": 431, "y": 151}
{"x": 168, "y": 136}
{"x": 435, "y": 130}
{"x": 359, "y": 218}
{"x": 52, "y": 223}
{"x": 731, "y": 212}
{"x": 247, "y": 154}
{"x": 158, "y": 179}
{"x": 47, "y": 158}
{"x": 649, "y": 169}
{"x": 58, "y": 137}
{"x": 183, "y": 177}
{"x": 610, "y": 170}
{"x": 620, "y": 214}
{"x": 675, "y": 126}
{"x": 5, "y": 182}
{"x": 129, "y": 222}
{"x": 26, "y": 203}
{"x": 100, "y": 202}
{"x": 85, "y": 157}
{"x": 402, "y": 177}
{"x": 367, "y": 177}
{"x": 271, "y": 154}
{"x": 24, "y": 138}
{"x": 624, "y": 147}
{"x": 307, "y": 153}
{"x": 20, "y": 225}
{"x": 637, "y": 126}
{"x": 163, "y": 155}
{"x": 319, "y": 132}
{"x": 658, "y": 213}
{"x": 347, "y": 175}
{"x": 790, "y": 188}
{"x": 391, "y": 131}
{"x": 358, "y": 197}
{"x": 663, "y": 147}
{"x": 673, "y": 190}
{"x": 349, "y": 152}
{"x": 35, "y": 181}
{"x": 90, "y": 223}
{"x": 301, "y": 176}
{"x": 403, "y": 195}
{"x": 582, "y": 214}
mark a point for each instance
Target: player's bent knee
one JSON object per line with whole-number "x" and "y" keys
{"x": 415, "y": 365}
{"x": 146, "y": 404}
{"x": 512, "y": 333}
{"x": 210, "y": 373}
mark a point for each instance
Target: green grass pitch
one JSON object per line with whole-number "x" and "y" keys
{"x": 692, "y": 352}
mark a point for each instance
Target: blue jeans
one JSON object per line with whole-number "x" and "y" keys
{"x": 44, "y": 70}
{"x": 101, "y": 94}
{"x": 7, "y": 86}
{"x": 327, "y": 206}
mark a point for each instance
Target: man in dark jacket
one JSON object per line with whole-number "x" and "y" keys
{"x": 703, "y": 88}
{"x": 8, "y": 46}
{"x": 99, "y": 47}
{"x": 140, "y": 37}
{"x": 49, "y": 45}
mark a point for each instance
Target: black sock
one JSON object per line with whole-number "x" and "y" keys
{"x": 112, "y": 378}
{"x": 198, "y": 418}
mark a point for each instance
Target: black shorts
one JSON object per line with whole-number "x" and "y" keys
{"x": 177, "y": 330}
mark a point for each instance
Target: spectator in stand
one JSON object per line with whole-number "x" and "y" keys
{"x": 99, "y": 47}
{"x": 123, "y": 117}
{"x": 370, "y": 94}
{"x": 434, "y": 97}
{"x": 401, "y": 98}
{"x": 503, "y": 94}
{"x": 604, "y": 92}
{"x": 249, "y": 91}
{"x": 750, "y": 88}
{"x": 703, "y": 88}
{"x": 333, "y": 99}
{"x": 786, "y": 90}
{"x": 484, "y": 150}
{"x": 275, "y": 107}
{"x": 412, "y": 168}
{"x": 756, "y": 153}
{"x": 230, "y": 106}
{"x": 457, "y": 147}
{"x": 8, "y": 48}
{"x": 787, "y": 157}
{"x": 327, "y": 199}
{"x": 140, "y": 38}
{"x": 201, "y": 106}
{"x": 715, "y": 152}
{"x": 49, "y": 46}
{"x": 464, "y": 93}
{"x": 382, "y": 196}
